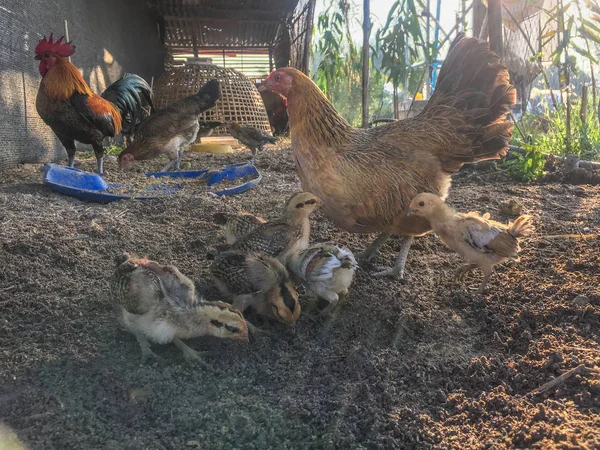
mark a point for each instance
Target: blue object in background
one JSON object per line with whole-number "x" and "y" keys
{"x": 92, "y": 187}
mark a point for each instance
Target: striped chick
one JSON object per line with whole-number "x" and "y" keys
{"x": 326, "y": 270}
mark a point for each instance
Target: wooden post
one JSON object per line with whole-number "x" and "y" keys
{"x": 584, "y": 104}
{"x": 479, "y": 11}
{"x": 494, "y": 16}
{"x": 365, "y": 63}
{"x": 307, "y": 38}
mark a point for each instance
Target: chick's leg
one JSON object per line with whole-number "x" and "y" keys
{"x": 460, "y": 273}
{"x": 371, "y": 251}
{"x": 398, "y": 269}
{"x": 333, "y": 300}
{"x": 168, "y": 166}
{"x": 178, "y": 160}
{"x": 486, "y": 276}
{"x": 147, "y": 352}
{"x": 190, "y": 355}
{"x": 241, "y": 302}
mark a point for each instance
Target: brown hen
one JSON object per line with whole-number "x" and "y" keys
{"x": 367, "y": 177}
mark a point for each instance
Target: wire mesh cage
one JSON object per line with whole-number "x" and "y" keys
{"x": 240, "y": 100}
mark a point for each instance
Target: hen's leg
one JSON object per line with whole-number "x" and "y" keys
{"x": 99, "y": 152}
{"x": 398, "y": 269}
{"x": 371, "y": 251}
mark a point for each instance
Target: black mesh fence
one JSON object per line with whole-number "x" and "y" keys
{"x": 112, "y": 37}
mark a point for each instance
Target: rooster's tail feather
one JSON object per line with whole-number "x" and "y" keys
{"x": 130, "y": 94}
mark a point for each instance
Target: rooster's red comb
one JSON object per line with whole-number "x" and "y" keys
{"x": 48, "y": 45}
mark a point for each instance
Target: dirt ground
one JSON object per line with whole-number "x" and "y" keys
{"x": 415, "y": 365}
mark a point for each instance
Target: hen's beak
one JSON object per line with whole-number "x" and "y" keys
{"x": 411, "y": 212}
{"x": 263, "y": 88}
{"x": 37, "y": 58}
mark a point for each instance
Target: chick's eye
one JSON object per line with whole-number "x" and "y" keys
{"x": 421, "y": 203}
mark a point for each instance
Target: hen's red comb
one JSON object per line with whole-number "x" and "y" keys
{"x": 48, "y": 45}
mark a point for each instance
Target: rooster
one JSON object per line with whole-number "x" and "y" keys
{"x": 366, "y": 178}
{"x": 172, "y": 128}
{"x": 66, "y": 103}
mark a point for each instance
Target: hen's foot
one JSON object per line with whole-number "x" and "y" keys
{"x": 395, "y": 272}
{"x": 372, "y": 250}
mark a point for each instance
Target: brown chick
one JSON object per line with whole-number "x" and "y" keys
{"x": 253, "y": 138}
{"x": 258, "y": 281}
{"x": 238, "y": 225}
{"x": 286, "y": 235}
{"x": 159, "y": 303}
{"x": 480, "y": 241}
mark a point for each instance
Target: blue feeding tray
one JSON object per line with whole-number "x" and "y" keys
{"x": 228, "y": 173}
{"x": 92, "y": 187}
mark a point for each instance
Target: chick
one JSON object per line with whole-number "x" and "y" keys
{"x": 237, "y": 225}
{"x": 285, "y": 235}
{"x": 253, "y": 138}
{"x": 259, "y": 281}
{"x": 207, "y": 127}
{"x": 480, "y": 241}
{"x": 327, "y": 270}
{"x": 159, "y": 303}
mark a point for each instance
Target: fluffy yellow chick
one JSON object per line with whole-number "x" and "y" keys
{"x": 480, "y": 241}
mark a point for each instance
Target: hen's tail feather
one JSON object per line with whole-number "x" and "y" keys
{"x": 473, "y": 81}
{"x": 130, "y": 94}
{"x": 522, "y": 226}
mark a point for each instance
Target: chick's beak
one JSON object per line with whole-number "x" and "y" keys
{"x": 411, "y": 212}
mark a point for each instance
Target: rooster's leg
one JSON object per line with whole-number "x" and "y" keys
{"x": 398, "y": 269}
{"x": 371, "y": 251}
{"x": 99, "y": 152}
{"x": 70, "y": 148}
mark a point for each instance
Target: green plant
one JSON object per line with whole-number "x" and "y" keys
{"x": 111, "y": 150}
{"x": 527, "y": 167}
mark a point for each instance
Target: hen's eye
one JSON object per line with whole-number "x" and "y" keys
{"x": 277, "y": 77}
{"x": 421, "y": 203}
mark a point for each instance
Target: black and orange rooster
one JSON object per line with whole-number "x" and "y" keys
{"x": 66, "y": 103}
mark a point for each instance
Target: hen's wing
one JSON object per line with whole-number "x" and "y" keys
{"x": 101, "y": 113}
{"x": 488, "y": 236}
